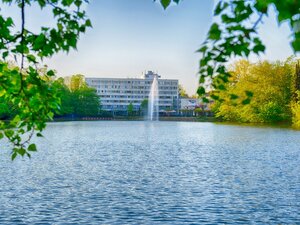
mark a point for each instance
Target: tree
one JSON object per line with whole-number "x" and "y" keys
{"x": 144, "y": 106}
{"x": 236, "y": 35}
{"x": 130, "y": 109}
{"x": 182, "y": 92}
{"x": 86, "y": 102}
{"x": 75, "y": 82}
{"x": 76, "y": 97}
{"x": 23, "y": 86}
{"x": 272, "y": 84}
{"x": 4, "y": 110}
{"x": 66, "y": 97}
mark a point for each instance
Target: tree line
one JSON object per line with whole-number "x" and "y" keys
{"x": 76, "y": 99}
{"x": 260, "y": 93}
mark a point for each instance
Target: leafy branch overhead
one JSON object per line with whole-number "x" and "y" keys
{"x": 236, "y": 35}
{"x": 26, "y": 88}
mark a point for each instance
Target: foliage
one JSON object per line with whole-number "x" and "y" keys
{"x": 77, "y": 99}
{"x": 86, "y": 102}
{"x": 22, "y": 87}
{"x": 268, "y": 85}
{"x": 130, "y": 109}
{"x": 236, "y": 35}
{"x": 33, "y": 99}
{"x": 182, "y": 92}
{"x": 75, "y": 82}
{"x": 295, "y": 106}
{"x": 144, "y": 104}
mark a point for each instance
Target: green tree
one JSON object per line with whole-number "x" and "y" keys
{"x": 295, "y": 106}
{"x": 130, "y": 109}
{"x": 144, "y": 106}
{"x": 271, "y": 84}
{"x": 4, "y": 110}
{"x": 67, "y": 99}
{"x": 77, "y": 99}
{"x": 182, "y": 92}
{"x": 75, "y": 82}
{"x": 235, "y": 34}
{"x": 22, "y": 85}
{"x": 86, "y": 102}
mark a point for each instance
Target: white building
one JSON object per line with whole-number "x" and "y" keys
{"x": 117, "y": 93}
{"x": 189, "y": 103}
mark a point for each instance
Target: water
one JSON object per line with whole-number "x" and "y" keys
{"x": 153, "y": 102}
{"x": 154, "y": 173}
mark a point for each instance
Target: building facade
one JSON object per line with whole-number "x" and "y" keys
{"x": 194, "y": 107}
{"x": 117, "y": 93}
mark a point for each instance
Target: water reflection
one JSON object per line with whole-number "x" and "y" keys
{"x": 164, "y": 173}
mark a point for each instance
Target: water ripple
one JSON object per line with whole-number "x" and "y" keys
{"x": 154, "y": 173}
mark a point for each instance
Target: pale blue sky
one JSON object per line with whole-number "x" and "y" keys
{"x": 131, "y": 36}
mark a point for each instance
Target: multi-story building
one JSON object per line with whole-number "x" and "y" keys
{"x": 117, "y": 93}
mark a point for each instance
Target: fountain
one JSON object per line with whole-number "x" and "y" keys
{"x": 153, "y": 100}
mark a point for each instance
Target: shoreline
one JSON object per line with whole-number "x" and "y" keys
{"x": 285, "y": 125}
{"x": 124, "y": 118}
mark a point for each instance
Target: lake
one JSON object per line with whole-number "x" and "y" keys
{"x": 113, "y": 172}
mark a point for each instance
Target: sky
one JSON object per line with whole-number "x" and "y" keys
{"x": 131, "y": 36}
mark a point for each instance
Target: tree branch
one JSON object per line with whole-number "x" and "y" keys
{"x": 22, "y": 32}
{"x": 257, "y": 21}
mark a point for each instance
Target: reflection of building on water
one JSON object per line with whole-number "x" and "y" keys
{"x": 116, "y": 94}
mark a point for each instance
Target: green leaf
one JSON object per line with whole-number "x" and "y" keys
{"x": 210, "y": 71}
{"x": 296, "y": 45}
{"x": 220, "y": 7}
{"x": 1, "y": 135}
{"x": 39, "y": 135}
{"x": 22, "y": 151}
{"x": 32, "y": 148}
{"x": 249, "y": 93}
{"x": 88, "y": 23}
{"x": 31, "y": 58}
{"x": 28, "y": 155}
{"x": 9, "y": 133}
{"x": 214, "y": 32}
{"x": 215, "y": 97}
{"x": 4, "y": 54}
{"x": 2, "y": 92}
{"x": 202, "y": 79}
{"x": 202, "y": 49}
{"x": 50, "y": 73}
{"x": 39, "y": 42}
{"x": 221, "y": 87}
{"x": 262, "y": 6}
{"x": 14, "y": 155}
{"x": 233, "y": 96}
{"x": 42, "y": 3}
{"x": 205, "y": 100}
{"x": 201, "y": 90}
{"x": 258, "y": 48}
{"x": 165, "y": 3}
{"x": 246, "y": 101}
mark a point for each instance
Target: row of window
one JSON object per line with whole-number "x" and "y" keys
{"x": 162, "y": 82}
{"x": 135, "y": 92}
{"x": 134, "y": 96}
{"x": 102, "y": 87}
{"x": 125, "y": 107}
{"x": 105, "y": 102}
